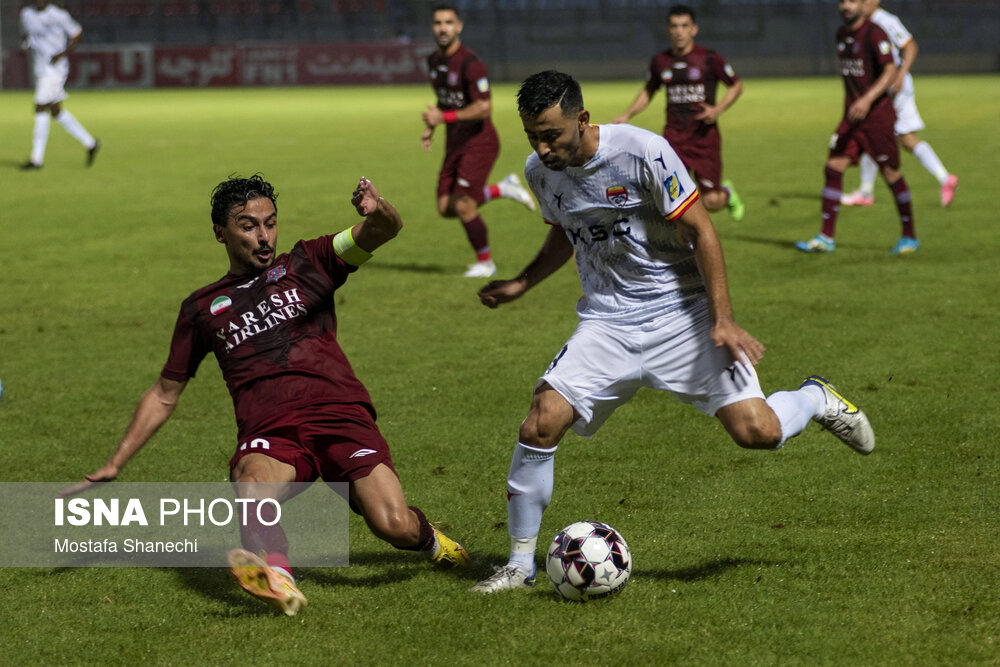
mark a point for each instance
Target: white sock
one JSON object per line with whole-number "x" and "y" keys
{"x": 522, "y": 552}
{"x": 794, "y": 410}
{"x": 869, "y": 170}
{"x": 72, "y": 125}
{"x": 929, "y": 159}
{"x": 281, "y": 570}
{"x": 40, "y": 137}
{"x": 529, "y": 491}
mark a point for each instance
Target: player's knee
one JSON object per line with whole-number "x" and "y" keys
{"x": 541, "y": 430}
{"x": 393, "y": 525}
{"x": 758, "y": 433}
{"x": 715, "y": 200}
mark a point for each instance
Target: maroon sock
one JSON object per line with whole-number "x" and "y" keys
{"x": 257, "y": 537}
{"x": 479, "y": 238}
{"x": 832, "y": 190}
{"x": 904, "y": 205}
{"x": 426, "y": 540}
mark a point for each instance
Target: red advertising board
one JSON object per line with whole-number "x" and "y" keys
{"x": 146, "y": 65}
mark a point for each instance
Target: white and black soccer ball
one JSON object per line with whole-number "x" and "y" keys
{"x": 588, "y": 560}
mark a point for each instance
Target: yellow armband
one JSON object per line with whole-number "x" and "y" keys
{"x": 347, "y": 249}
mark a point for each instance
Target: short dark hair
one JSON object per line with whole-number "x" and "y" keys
{"x": 236, "y": 191}
{"x": 446, "y": 8}
{"x": 681, "y": 10}
{"x": 546, "y": 89}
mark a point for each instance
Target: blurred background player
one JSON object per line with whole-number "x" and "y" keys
{"x": 296, "y": 397}
{"x": 908, "y": 120}
{"x": 50, "y": 33}
{"x": 868, "y": 70}
{"x": 460, "y": 81}
{"x": 690, "y": 73}
{"x": 655, "y": 310}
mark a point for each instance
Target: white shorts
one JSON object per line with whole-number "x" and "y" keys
{"x": 603, "y": 365}
{"x": 50, "y": 82}
{"x": 907, "y": 117}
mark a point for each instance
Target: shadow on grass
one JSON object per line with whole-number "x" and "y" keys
{"x": 410, "y": 267}
{"x": 706, "y": 570}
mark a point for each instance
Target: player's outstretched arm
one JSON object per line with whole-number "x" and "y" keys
{"x": 697, "y": 228}
{"x": 640, "y": 102}
{"x": 555, "y": 252}
{"x": 382, "y": 222}
{"x": 152, "y": 411}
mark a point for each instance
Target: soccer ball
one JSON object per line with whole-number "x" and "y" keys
{"x": 588, "y": 560}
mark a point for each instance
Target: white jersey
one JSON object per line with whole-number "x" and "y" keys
{"x": 48, "y": 31}
{"x": 619, "y": 212}
{"x": 899, "y": 36}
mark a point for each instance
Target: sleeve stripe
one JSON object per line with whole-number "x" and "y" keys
{"x": 679, "y": 211}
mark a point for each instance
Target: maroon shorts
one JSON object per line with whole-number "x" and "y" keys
{"x": 701, "y": 153}
{"x": 333, "y": 442}
{"x": 874, "y": 135}
{"x": 467, "y": 171}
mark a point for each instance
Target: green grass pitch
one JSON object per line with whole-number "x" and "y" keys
{"x": 811, "y": 555}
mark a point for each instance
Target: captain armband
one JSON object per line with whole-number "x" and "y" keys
{"x": 347, "y": 250}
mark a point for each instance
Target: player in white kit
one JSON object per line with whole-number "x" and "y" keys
{"x": 50, "y": 33}
{"x": 908, "y": 120}
{"x": 655, "y": 310}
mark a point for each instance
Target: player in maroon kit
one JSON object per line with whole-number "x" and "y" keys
{"x": 867, "y": 66}
{"x": 462, "y": 87}
{"x": 691, "y": 73}
{"x": 301, "y": 413}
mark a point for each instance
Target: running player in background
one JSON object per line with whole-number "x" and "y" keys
{"x": 50, "y": 33}
{"x": 908, "y": 120}
{"x": 690, "y": 73}
{"x": 655, "y": 310}
{"x": 868, "y": 70}
{"x": 271, "y": 324}
{"x": 460, "y": 82}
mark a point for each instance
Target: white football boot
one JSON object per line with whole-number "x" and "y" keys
{"x": 511, "y": 188}
{"x": 506, "y": 578}
{"x": 842, "y": 418}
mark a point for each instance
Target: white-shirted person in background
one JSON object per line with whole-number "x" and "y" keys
{"x": 50, "y": 33}
{"x": 908, "y": 120}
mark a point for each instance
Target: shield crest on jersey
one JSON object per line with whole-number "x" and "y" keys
{"x": 276, "y": 273}
{"x": 617, "y": 195}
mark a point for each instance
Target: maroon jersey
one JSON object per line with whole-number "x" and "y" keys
{"x": 274, "y": 336}
{"x": 690, "y": 81}
{"x": 864, "y": 54}
{"x": 458, "y": 80}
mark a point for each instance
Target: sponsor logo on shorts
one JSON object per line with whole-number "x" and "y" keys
{"x": 219, "y": 304}
{"x": 617, "y": 195}
{"x": 361, "y": 452}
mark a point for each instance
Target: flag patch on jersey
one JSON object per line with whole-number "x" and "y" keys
{"x": 483, "y": 84}
{"x": 667, "y": 75}
{"x": 276, "y": 273}
{"x": 219, "y": 304}
{"x": 617, "y": 195}
{"x": 674, "y": 188}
